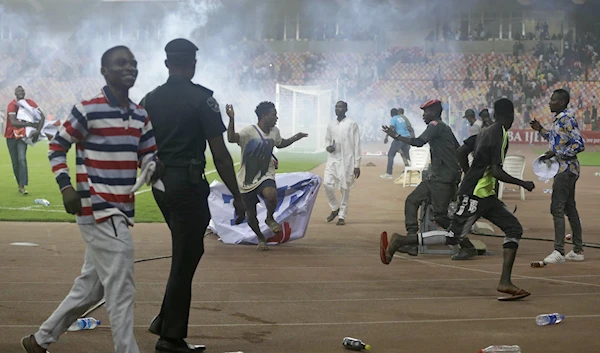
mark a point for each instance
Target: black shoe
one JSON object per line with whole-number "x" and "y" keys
{"x": 341, "y": 222}
{"x": 156, "y": 325}
{"x": 411, "y": 250}
{"x": 465, "y": 254}
{"x": 177, "y": 346}
{"x": 332, "y": 215}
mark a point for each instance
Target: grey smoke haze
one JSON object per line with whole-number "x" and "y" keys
{"x": 222, "y": 24}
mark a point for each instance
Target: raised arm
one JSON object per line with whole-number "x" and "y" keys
{"x": 232, "y": 136}
{"x": 286, "y": 142}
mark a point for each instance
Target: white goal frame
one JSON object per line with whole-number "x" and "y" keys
{"x": 315, "y": 124}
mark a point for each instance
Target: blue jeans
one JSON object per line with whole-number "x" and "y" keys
{"x": 18, "y": 155}
{"x": 394, "y": 148}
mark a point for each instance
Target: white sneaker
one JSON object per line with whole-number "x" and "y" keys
{"x": 555, "y": 258}
{"x": 386, "y": 176}
{"x": 573, "y": 256}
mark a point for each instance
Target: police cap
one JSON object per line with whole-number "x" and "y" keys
{"x": 181, "y": 46}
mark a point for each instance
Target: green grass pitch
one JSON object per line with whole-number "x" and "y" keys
{"x": 17, "y": 207}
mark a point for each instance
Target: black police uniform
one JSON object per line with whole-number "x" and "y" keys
{"x": 184, "y": 116}
{"x": 439, "y": 187}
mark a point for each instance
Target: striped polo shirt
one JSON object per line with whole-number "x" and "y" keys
{"x": 111, "y": 142}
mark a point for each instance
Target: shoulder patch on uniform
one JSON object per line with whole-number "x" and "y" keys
{"x": 433, "y": 122}
{"x": 213, "y": 104}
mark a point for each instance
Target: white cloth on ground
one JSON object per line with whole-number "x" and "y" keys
{"x": 345, "y": 137}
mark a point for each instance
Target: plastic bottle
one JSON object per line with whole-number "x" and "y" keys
{"x": 549, "y": 319}
{"x": 501, "y": 349}
{"x": 42, "y": 202}
{"x": 89, "y": 323}
{"x": 354, "y": 344}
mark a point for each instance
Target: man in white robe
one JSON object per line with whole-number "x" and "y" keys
{"x": 343, "y": 161}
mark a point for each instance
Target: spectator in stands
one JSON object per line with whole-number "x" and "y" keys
{"x": 565, "y": 142}
{"x": 400, "y": 124}
{"x": 440, "y": 184}
{"x": 17, "y": 148}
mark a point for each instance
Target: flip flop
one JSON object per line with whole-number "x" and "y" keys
{"x": 519, "y": 294}
{"x": 274, "y": 226}
{"x": 383, "y": 245}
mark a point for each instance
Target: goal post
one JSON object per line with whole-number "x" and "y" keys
{"x": 304, "y": 109}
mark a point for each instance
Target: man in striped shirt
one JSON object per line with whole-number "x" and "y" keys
{"x": 113, "y": 137}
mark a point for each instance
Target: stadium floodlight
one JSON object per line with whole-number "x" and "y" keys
{"x": 304, "y": 109}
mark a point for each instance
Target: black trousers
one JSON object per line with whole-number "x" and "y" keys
{"x": 563, "y": 202}
{"x": 185, "y": 208}
{"x": 440, "y": 195}
{"x": 471, "y": 208}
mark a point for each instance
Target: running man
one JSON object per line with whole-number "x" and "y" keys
{"x": 401, "y": 125}
{"x": 477, "y": 198}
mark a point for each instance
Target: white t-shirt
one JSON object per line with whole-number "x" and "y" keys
{"x": 257, "y": 157}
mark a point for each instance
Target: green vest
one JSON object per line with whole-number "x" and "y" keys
{"x": 486, "y": 186}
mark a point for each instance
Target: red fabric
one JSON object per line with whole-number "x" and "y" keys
{"x": 9, "y": 133}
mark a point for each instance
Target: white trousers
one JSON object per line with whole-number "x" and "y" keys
{"x": 107, "y": 272}
{"x": 333, "y": 202}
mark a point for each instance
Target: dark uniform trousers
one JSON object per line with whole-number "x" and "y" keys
{"x": 439, "y": 194}
{"x": 185, "y": 208}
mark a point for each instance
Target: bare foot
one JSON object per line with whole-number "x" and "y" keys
{"x": 262, "y": 246}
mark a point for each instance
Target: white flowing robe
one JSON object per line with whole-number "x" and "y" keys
{"x": 345, "y": 136}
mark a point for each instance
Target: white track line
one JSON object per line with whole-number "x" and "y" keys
{"x": 283, "y": 301}
{"x": 354, "y": 323}
{"x": 498, "y": 273}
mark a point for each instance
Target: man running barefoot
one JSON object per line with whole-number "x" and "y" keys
{"x": 477, "y": 198}
{"x": 257, "y": 171}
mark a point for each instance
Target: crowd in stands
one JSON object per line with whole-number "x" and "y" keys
{"x": 371, "y": 83}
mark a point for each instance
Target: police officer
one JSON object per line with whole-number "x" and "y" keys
{"x": 441, "y": 183}
{"x": 184, "y": 116}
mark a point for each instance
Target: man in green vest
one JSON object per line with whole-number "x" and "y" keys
{"x": 477, "y": 198}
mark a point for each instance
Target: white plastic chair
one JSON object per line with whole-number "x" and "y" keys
{"x": 514, "y": 166}
{"x": 419, "y": 159}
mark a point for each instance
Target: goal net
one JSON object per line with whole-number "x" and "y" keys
{"x": 303, "y": 109}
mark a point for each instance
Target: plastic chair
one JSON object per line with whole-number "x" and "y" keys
{"x": 419, "y": 159}
{"x": 514, "y": 166}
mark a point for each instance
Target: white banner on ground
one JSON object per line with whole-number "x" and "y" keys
{"x": 296, "y": 193}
